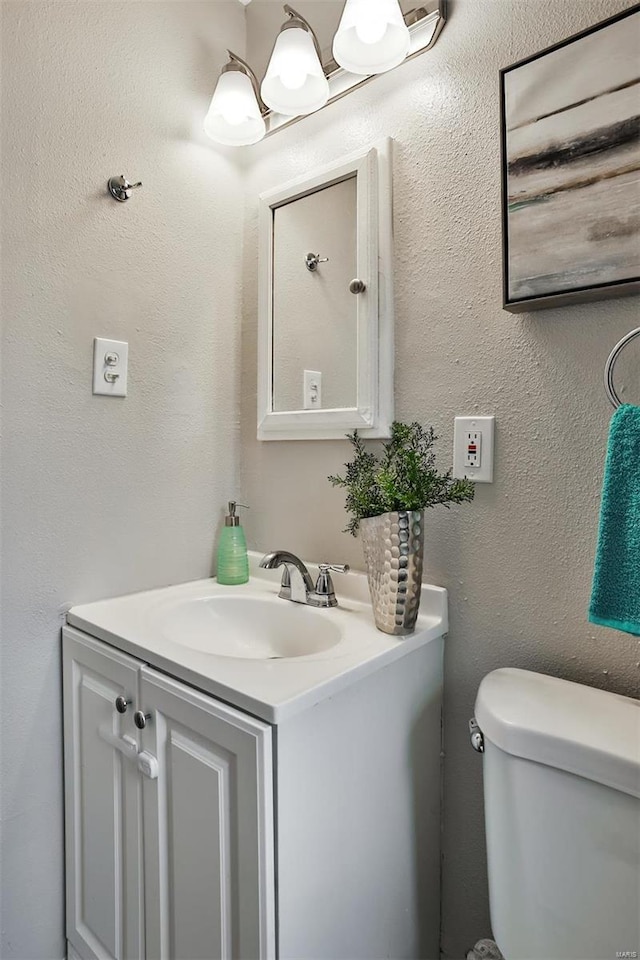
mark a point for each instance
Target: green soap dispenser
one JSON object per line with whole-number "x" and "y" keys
{"x": 233, "y": 562}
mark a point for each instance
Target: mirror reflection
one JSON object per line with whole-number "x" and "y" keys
{"x": 315, "y": 329}
{"x": 325, "y": 305}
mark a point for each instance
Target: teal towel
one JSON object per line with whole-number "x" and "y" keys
{"x": 615, "y": 596}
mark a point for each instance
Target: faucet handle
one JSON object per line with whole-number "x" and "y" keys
{"x": 324, "y": 585}
{"x": 334, "y": 567}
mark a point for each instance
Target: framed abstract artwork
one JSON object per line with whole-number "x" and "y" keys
{"x": 570, "y": 119}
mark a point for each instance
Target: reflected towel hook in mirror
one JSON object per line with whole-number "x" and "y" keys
{"x": 313, "y": 259}
{"x": 610, "y": 366}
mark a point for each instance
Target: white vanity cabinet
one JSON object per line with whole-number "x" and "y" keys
{"x": 264, "y": 809}
{"x": 169, "y": 829}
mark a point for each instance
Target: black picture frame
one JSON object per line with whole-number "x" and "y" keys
{"x": 527, "y": 292}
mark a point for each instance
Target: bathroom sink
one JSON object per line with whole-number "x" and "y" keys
{"x": 251, "y": 649}
{"x": 251, "y": 628}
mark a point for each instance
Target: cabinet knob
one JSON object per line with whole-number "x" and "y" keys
{"x": 122, "y": 704}
{"x": 140, "y": 719}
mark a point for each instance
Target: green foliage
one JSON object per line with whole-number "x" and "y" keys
{"x": 402, "y": 477}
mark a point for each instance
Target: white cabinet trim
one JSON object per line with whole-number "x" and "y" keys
{"x": 259, "y": 802}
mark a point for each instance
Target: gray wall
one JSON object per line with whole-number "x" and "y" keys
{"x": 518, "y": 561}
{"x": 101, "y": 496}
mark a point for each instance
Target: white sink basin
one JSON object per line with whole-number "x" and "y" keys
{"x": 249, "y": 628}
{"x": 246, "y": 646}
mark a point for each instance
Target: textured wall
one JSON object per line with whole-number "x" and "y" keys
{"x": 104, "y": 496}
{"x": 518, "y": 561}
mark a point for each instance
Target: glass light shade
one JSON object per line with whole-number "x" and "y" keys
{"x": 294, "y": 83}
{"x": 372, "y": 36}
{"x": 234, "y": 115}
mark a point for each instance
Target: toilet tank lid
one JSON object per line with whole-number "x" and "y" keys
{"x": 567, "y": 725}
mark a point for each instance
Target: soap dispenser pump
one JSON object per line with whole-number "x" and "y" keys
{"x": 233, "y": 562}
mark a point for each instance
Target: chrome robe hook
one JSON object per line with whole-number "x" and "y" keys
{"x": 120, "y": 188}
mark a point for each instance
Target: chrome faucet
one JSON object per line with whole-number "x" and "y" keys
{"x": 297, "y": 585}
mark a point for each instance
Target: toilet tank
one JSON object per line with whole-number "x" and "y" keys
{"x": 562, "y": 811}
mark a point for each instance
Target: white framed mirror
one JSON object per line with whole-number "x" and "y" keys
{"x": 325, "y": 304}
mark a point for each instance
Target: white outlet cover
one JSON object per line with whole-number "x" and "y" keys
{"x": 114, "y": 350}
{"x": 463, "y": 426}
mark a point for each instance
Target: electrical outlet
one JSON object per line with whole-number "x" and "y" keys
{"x": 473, "y": 448}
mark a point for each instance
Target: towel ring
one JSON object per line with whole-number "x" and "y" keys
{"x": 610, "y": 366}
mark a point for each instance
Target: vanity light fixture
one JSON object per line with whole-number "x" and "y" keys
{"x": 295, "y": 83}
{"x": 236, "y": 114}
{"x": 372, "y": 36}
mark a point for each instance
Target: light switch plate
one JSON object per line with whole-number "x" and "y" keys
{"x": 110, "y": 362}
{"x": 473, "y": 441}
{"x": 312, "y": 390}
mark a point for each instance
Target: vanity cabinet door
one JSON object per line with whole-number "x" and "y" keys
{"x": 208, "y": 827}
{"x": 103, "y": 802}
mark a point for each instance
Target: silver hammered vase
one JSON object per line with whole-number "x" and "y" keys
{"x": 393, "y": 545}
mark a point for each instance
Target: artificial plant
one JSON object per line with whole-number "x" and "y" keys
{"x": 403, "y": 476}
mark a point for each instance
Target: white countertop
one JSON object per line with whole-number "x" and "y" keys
{"x": 270, "y": 689}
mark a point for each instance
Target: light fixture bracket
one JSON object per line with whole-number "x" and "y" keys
{"x": 297, "y": 21}
{"x": 239, "y": 65}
